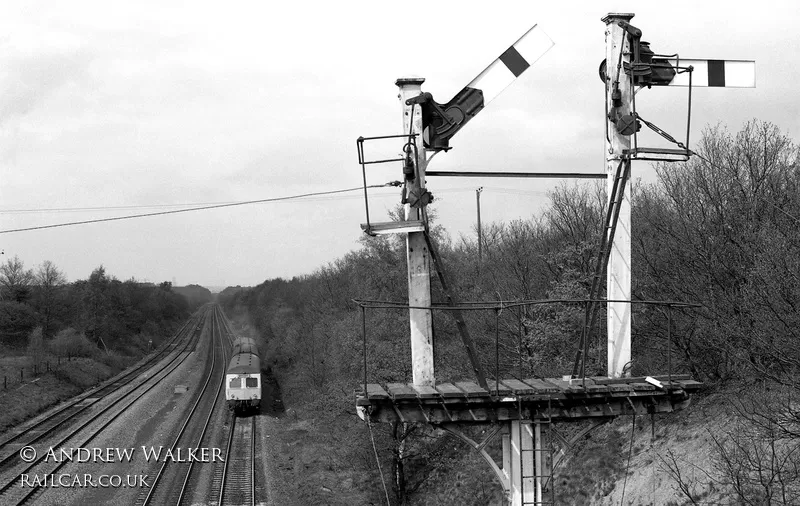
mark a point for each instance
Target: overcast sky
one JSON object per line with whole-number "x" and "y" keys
{"x": 117, "y": 104}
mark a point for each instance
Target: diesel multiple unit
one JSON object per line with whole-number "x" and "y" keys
{"x": 243, "y": 377}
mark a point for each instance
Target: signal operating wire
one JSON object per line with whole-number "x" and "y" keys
{"x": 191, "y": 209}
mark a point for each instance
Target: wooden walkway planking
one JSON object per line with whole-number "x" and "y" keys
{"x": 550, "y": 387}
{"x": 515, "y": 399}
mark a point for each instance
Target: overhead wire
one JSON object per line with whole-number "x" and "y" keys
{"x": 192, "y": 209}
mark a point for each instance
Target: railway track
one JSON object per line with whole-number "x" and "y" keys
{"x": 192, "y": 434}
{"x": 77, "y": 437}
{"x": 234, "y": 482}
{"x": 238, "y": 480}
{"x": 69, "y": 412}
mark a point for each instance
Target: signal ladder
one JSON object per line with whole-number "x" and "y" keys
{"x": 532, "y": 440}
{"x": 606, "y": 243}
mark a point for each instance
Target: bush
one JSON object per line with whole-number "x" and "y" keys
{"x": 70, "y": 342}
{"x": 113, "y": 360}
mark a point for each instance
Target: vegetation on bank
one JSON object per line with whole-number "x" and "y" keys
{"x": 721, "y": 230}
{"x": 58, "y": 338}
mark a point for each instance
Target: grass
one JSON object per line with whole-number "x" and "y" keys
{"x": 35, "y": 394}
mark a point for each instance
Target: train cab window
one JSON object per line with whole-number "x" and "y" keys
{"x": 236, "y": 383}
{"x": 251, "y": 382}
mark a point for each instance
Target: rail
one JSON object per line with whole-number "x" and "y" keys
{"x": 70, "y": 410}
{"x": 241, "y": 470}
{"x": 171, "y": 365}
{"x": 212, "y": 371}
{"x": 220, "y": 392}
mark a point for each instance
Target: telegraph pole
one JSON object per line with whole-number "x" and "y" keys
{"x": 417, "y": 254}
{"x": 619, "y": 95}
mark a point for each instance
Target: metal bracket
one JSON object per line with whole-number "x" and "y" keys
{"x": 501, "y": 476}
{"x": 440, "y": 122}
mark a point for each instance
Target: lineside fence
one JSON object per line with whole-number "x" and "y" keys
{"x": 36, "y": 370}
{"x": 55, "y": 363}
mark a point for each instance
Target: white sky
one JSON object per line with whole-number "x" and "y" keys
{"x": 153, "y": 103}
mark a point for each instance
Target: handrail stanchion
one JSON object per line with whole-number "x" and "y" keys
{"x": 364, "y": 345}
{"x": 497, "y": 349}
{"x": 669, "y": 343}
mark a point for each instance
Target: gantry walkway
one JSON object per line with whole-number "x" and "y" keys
{"x": 528, "y": 399}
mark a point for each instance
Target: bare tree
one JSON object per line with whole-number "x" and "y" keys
{"x": 15, "y": 280}
{"x": 49, "y": 281}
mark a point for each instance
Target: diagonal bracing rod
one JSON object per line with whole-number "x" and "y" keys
{"x": 457, "y": 316}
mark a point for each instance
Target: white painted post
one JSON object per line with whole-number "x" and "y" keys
{"x": 516, "y": 464}
{"x": 525, "y": 483}
{"x": 538, "y": 461}
{"x": 619, "y": 266}
{"x": 417, "y": 254}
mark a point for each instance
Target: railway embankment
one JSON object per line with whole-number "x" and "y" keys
{"x": 99, "y": 416}
{"x": 23, "y": 399}
{"x": 30, "y": 387}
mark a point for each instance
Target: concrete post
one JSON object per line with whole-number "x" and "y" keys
{"x": 417, "y": 254}
{"x": 522, "y": 462}
{"x": 619, "y": 266}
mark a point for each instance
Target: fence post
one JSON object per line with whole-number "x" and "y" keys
{"x": 364, "y": 346}
{"x": 21, "y": 375}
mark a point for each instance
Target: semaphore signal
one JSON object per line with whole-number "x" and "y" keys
{"x": 716, "y": 73}
{"x": 521, "y": 411}
{"x": 440, "y": 122}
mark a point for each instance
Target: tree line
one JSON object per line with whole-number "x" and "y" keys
{"x": 721, "y": 230}
{"x": 98, "y": 313}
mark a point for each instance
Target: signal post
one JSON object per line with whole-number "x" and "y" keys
{"x": 619, "y": 94}
{"x": 417, "y": 254}
{"x": 520, "y": 412}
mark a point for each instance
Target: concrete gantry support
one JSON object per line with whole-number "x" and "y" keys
{"x": 523, "y": 460}
{"x": 525, "y": 468}
{"x": 417, "y": 254}
{"x": 619, "y": 265}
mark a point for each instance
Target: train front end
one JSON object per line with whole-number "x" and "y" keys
{"x": 243, "y": 383}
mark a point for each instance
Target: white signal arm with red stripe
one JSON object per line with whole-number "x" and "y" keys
{"x": 512, "y": 63}
{"x": 442, "y": 121}
{"x": 715, "y": 73}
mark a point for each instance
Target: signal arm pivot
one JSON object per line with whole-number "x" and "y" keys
{"x": 442, "y": 121}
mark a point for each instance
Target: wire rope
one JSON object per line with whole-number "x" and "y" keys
{"x": 378, "y": 460}
{"x": 628, "y": 466}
